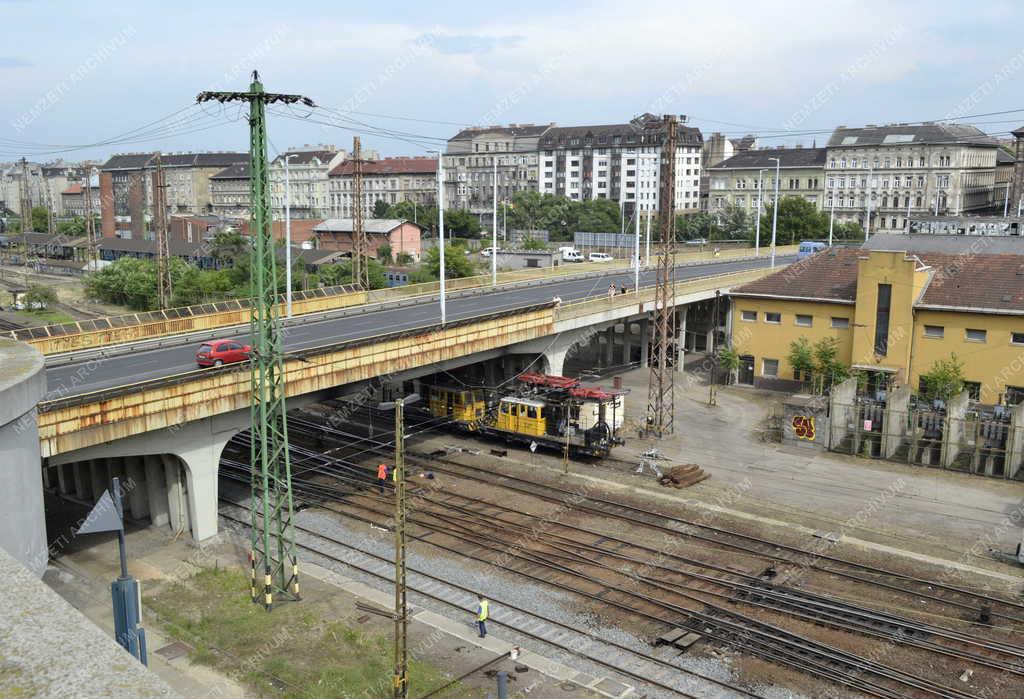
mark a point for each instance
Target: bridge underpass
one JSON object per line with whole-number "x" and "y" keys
{"x": 166, "y": 434}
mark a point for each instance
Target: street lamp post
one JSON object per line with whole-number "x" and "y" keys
{"x": 757, "y": 224}
{"x": 775, "y": 206}
{"x": 288, "y": 237}
{"x": 832, "y": 213}
{"x": 867, "y": 195}
{"x": 494, "y": 227}
{"x": 440, "y": 226}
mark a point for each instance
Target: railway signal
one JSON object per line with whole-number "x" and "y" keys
{"x": 272, "y": 551}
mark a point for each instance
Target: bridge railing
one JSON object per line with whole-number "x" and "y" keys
{"x": 632, "y": 299}
{"x": 135, "y": 327}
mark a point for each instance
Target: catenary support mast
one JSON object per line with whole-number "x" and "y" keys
{"x": 661, "y": 389}
{"x": 273, "y": 551}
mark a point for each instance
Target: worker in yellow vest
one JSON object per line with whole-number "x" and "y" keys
{"x": 481, "y": 614}
{"x": 382, "y": 477}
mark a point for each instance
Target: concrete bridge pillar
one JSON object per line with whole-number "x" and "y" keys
{"x": 681, "y": 338}
{"x": 83, "y": 482}
{"x": 645, "y": 342}
{"x": 177, "y": 498}
{"x": 156, "y": 490}
{"x": 65, "y": 478}
{"x": 138, "y": 497}
{"x": 97, "y": 476}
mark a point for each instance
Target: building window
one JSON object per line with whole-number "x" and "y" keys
{"x": 973, "y": 389}
{"x": 882, "y": 319}
{"x": 804, "y": 321}
{"x": 975, "y": 335}
{"x": 772, "y": 317}
{"x": 1017, "y": 338}
{"x": 840, "y": 323}
{"x": 770, "y": 368}
{"x": 934, "y": 331}
{"x": 751, "y": 316}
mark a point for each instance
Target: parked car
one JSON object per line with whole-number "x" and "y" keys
{"x": 222, "y": 352}
{"x": 486, "y": 252}
{"x": 600, "y": 257}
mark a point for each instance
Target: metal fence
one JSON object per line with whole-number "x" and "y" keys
{"x": 981, "y": 442}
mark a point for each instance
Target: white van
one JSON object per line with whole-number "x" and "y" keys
{"x": 600, "y": 257}
{"x": 570, "y": 254}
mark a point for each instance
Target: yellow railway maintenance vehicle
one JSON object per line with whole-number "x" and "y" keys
{"x": 546, "y": 411}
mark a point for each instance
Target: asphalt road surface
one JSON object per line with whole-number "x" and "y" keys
{"x": 92, "y": 375}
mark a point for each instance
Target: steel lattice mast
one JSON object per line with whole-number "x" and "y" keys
{"x": 273, "y": 536}
{"x": 360, "y": 251}
{"x": 661, "y": 389}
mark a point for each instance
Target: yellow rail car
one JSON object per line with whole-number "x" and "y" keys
{"x": 459, "y": 404}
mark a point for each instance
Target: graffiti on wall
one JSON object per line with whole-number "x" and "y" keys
{"x": 803, "y": 427}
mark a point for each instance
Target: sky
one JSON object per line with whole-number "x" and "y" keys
{"x": 125, "y": 75}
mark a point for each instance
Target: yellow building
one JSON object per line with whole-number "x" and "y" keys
{"x": 894, "y": 315}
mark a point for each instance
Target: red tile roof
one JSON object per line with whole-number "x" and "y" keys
{"x": 73, "y": 189}
{"x": 967, "y": 281}
{"x": 831, "y": 274}
{"x": 389, "y": 166}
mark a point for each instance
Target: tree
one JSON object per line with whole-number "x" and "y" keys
{"x": 39, "y": 297}
{"x": 847, "y": 230}
{"x": 945, "y": 378}
{"x": 456, "y": 264}
{"x": 730, "y": 362}
{"x": 380, "y": 209}
{"x": 403, "y": 258}
{"x": 700, "y": 225}
{"x": 828, "y": 370}
{"x": 40, "y": 219}
{"x": 801, "y": 358}
{"x": 798, "y": 220}
{"x": 425, "y": 216}
{"x": 74, "y": 227}
{"x": 733, "y": 223}
{"x": 127, "y": 282}
{"x": 462, "y": 223}
{"x": 532, "y": 244}
{"x": 384, "y": 254}
{"x": 341, "y": 273}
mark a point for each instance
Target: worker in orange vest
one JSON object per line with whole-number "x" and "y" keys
{"x": 382, "y": 477}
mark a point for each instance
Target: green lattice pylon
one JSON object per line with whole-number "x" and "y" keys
{"x": 273, "y": 552}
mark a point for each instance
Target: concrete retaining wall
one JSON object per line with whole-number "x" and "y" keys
{"x": 22, "y": 520}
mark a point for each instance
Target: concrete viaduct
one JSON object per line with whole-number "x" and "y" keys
{"x": 140, "y": 410}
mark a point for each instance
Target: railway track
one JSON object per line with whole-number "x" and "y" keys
{"x": 690, "y": 593}
{"x": 615, "y": 657}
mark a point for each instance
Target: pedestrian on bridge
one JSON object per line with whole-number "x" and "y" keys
{"x": 382, "y": 477}
{"x": 481, "y": 615}
{"x": 611, "y": 290}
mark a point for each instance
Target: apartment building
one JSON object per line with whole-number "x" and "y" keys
{"x": 308, "y": 168}
{"x": 734, "y": 181}
{"x": 619, "y": 162}
{"x": 73, "y": 198}
{"x": 127, "y": 187}
{"x": 230, "y": 195}
{"x": 390, "y": 180}
{"x": 1017, "y": 185}
{"x": 469, "y": 161}
{"x": 881, "y": 176}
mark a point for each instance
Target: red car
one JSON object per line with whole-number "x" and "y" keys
{"x": 222, "y": 352}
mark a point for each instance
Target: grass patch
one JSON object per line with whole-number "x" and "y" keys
{"x": 293, "y": 651}
{"x": 48, "y": 317}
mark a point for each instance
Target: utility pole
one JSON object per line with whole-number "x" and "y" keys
{"x": 288, "y": 236}
{"x": 360, "y": 263}
{"x": 494, "y": 227}
{"x": 647, "y": 257}
{"x": 636, "y": 257}
{"x": 661, "y": 389}
{"x": 713, "y": 384}
{"x": 90, "y": 224}
{"x": 440, "y": 226}
{"x": 401, "y": 619}
{"x": 831, "y": 215}
{"x": 163, "y": 269}
{"x": 48, "y": 199}
{"x": 775, "y": 206}
{"x": 26, "y": 215}
{"x": 273, "y": 549}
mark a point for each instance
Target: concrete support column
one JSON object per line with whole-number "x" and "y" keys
{"x": 726, "y": 304}
{"x": 156, "y": 490}
{"x": 177, "y": 502}
{"x": 645, "y": 342}
{"x": 894, "y": 424}
{"x": 681, "y": 342}
{"x": 83, "y": 482}
{"x": 98, "y": 476}
{"x": 138, "y": 496}
{"x": 47, "y": 478}
{"x": 115, "y": 469}
{"x": 609, "y": 350}
{"x": 1015, "y": 443}
{"x": 952, "y": 435}
{"x": 63, "y": 480}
